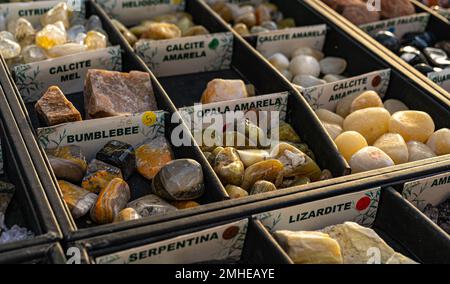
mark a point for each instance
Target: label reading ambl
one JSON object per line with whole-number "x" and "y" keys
{"x": 399, "y": 26}
{"x": 441, "y": 78}
{"x": 288, "y": 40}
{"x": 132, "y": 12}
{"x": 187, "y": 55}
{"x": 360, "y": 207}
{"x": 222, "y": 243}
{"x": 431, "y": 190}
{"x": 66, "y": 72}
{"x": 92, "y": 135}
{"x": 328, "y": 95}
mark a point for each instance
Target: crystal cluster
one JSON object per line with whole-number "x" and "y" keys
{"x": 59, "y": 34}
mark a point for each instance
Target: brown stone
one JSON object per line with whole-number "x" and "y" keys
{"x": 111, "y": 93}
{"x": 398, "y": 8}
{"x": 54, "y": 108}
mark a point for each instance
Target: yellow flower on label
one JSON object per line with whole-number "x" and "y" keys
{"x": 149, "y": 118}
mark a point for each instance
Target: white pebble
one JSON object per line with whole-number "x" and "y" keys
{"x": 305, "y": 65}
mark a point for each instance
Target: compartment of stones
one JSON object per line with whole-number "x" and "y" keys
{"x": 22, "y": 219}
{"x": 42, "y": 254}
{"x": 397, "y": 223}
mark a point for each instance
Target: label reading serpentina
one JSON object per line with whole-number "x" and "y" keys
{"x": 441, "y": 78}
{"x": 222, "y": 243}
{"x": 360, "y": 207}
{"x": 431, "y": 190}
{"x": 187, "y": 55}
{"x": 67, "y": 72}
{"x": 399, "y": 26}
{"x": 91, "y": 135}
{"x": 132, "y": 12}
{"x": 288, "y": 40}
{"x": 328, "y": 95}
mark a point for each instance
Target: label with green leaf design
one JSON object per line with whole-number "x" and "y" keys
{"x": 360, "y": 207}
{"x": 92, "y": 135}
{"x": 399, "y": 26}
{"x": 187, "y": 55}
{"x": 222, "y": 243}
{"x": 132, "y": 12}
{"x": 328, "y": 95}
{"x": 431, "y": 190}
{"x": 288, "y": 40}
{"x": 67, "y": 72}
{"x": 32, "y": 11}
{"x": 441, "y": 78}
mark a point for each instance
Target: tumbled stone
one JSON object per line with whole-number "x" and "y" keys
{"x": 151, "y": 205}
{"x": 229, "y": 167}
{"x": 111, "y": 93}
{"x": 424, "y": 68}
{"x": 251, "y": 157}
{"x": 33, "y": 53}
{"x": 394, "y": 146}
{"x": 349, "y": 143}
{"x": 258, "y": 29}
{"x": 286, "y": 133}
{"x": 9, "y": 49}
{"x": 286, "y": 73}
{"x": 179, "y": 180}
{"x": 184, "y": 24}
{"x": 241, "y": 29}
{"x": 152, "y": 156}
{"x": 196, "y": 31}
{"x": 394, "y": 106}
{"x": 79, "y": 200}
{"x": 333, "y": 130}
{"x": 333, "y": 65}
{"x": 159, "y": 31}
{"x": 66, "y": 49}
{"x": 419, "y": 151}
{"x": 50, "y": 36}
{"x": 269, "y": 170}
{"x": 399, "y": 8}
{"x": 249, "y": 19}
{"x": 58, "y": 13}
{"x": 412, "y": 125}
{"x": 329, "y": 117}
{"x": 330, "y": 78}
{"x": 24, "y": 32}
{"x": 119, "y": 154}
{"x": 366, "y": 100}
{"x": 307, "y": 81}
{"x": 269, "y": 25}
{"x": 286, "y": 23}
{"x": 439, "y": 142}
{"x": 262, "y": 186}
{"x": 98, "y": 176}
{"x": 344, "y": 106}
{"x": 304, "y": 65}
{"x": 370, "y": 123}
{"x": 388, "y": 40}
{"x": 93, "y": 23}
{"x": 262, "y": 14}
{"x": 317, "y": 54}
{"x": 224, "y": 10}
{"x": 279, "y": 61}
{"x": 219, "y": 90}
{"x": 235, "y": 192}
{"x": 437, "y": 57}
{"x": 7, "y": 35}
{"x": 182, "y": 205}
{"x": 127, "y": 214}
{"x": 369, "y": 158}
{"x": 74, "y": 31}
{"x": 127, "y": 34}
{"x": 68, "y": 163}
{"x": 71, "y": 153}
{"x": 54, "y": 108}
{"x": 111, "y": 200}
{"x": 95, "y": 40}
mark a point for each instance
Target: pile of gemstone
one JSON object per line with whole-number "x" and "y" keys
{"x": 249, "y": 18}
{"x": 58, "y": 34}
{"x": 371, "y": 134}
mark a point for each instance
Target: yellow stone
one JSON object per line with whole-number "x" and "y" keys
{"x": 395, "y": 146}
{"x": 366, "y": 100}
{"x": 412, "y": 125}
{"x": 50, "y": 36}
{"x": 439, "y": 142}
{"x": 329, "y": 117}
{"x": 95, "y": 40}
{"x": 349, "y": 143}
{"x": 370, "y": 123}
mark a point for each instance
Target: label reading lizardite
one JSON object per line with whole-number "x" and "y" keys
{"x": 432, "y": 190}
{"x": 132, "y": 12}
{"x": 288, "y": 40}
{"x": 187, "y": 55}
{"x": 399, "y": 26}
{"x": 33, "y": 11}
{"x": 92, "y": 135}
{"x": 202, "y": 116}
{"x": 328, "y": 95}
{"x": 441, "y": 78}
{"x": 222, "y": 243}
{"x": 360, "y": 207}
{"x": 67, "y": 72}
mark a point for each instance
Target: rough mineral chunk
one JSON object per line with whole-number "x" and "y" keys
{"x": 58, "y": 13}
{"x": 152, "y": 156}
{"x": 98, "y": 176}
{"x": 50, "y": 36}
{"x": 310, "y": 247}
{"x": 119, "y": 154}
{"x": 110, "y": 93}
{"x": 111, "y": 200}
{"x": 219, "y": 90}
{"x": 398, "y": 258}
{"x": 54, "y": 108}
{"x": 127, "y": 214}
{"x": 6, "y": 193}
{"x": 95, "y": 40}
{"x": 79, "y": 200}
{"x": 151, "y": 205}
{"x": 24, "y": 33}
{"x": 358, "y": 14}
{"x": 398, "y": 8}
